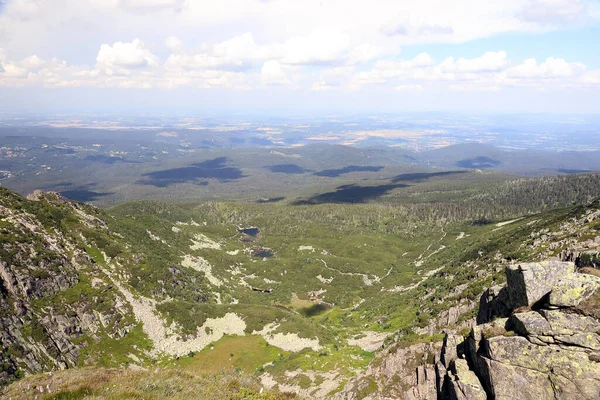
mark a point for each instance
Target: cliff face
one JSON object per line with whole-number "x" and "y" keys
{"x": 45, "y": 318}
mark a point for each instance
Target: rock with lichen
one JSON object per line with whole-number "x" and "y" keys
{"x": 528, "y": 283}
{"x": 550, "y": 351}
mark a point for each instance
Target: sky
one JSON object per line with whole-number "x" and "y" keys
{"x": 189, "y": 56}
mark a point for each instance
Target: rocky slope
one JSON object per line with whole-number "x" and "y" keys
{"x": 53, "y": 298}
{"x": 538, "y": 337}
{"x": 146, "y": 284}
{"x": 541, "y": 339}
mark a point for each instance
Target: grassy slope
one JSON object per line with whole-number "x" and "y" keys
{"x": 392, "y": 245}
{"x": 113, "y": 384}
{"x": 369, "y": 239}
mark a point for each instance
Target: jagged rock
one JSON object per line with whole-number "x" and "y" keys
{"x": 449, "y": 349}
{"x": 39, "y": 329}
{"x": 540, "y": 369}
{"x": 38, "y": 195}
{"x": 528, "y": 283}
{"x": 506, "y": 382}
{"x": 464, "y": 384}
{"x": 441, "y": 372}
{"x": 551, "y": 352}
{"x": 426, "y": 384}
{"x": 493, "y": 303}
{"x": 553, "y": 326}
{"x": 573, "y": 289}
{"x": 402, "y": 373}
{"x": 451, "y": 316}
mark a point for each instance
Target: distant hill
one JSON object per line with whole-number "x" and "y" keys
{"x": 519, "y": 162}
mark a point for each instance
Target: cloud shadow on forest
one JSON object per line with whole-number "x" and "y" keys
{"x": 350, "y": 194}
{"x": 196, "y": 173}
{"x": 332, "y": 173}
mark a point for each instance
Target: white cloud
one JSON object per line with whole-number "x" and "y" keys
{"x": 490, "y": 61}
{"x": 385, "y": 70}
{"x": 554, "y": 12}
{"x": 273, "y": 73}
{"x": 313, "y": 44}
{"x": 238, "y": 53}
{"x": 174, "y": 44}
{"x": 333, "y": 78}
{"x": 551, "y": 68}
{"x": 120, "y": 57}
{"x": 591, "y": 78}
{"x": 363, "y": 53}
{"x": 407, "y": 30}
{"x": 240, "y": 49}
{"x": 421, "y": 60}
{"x": 322, "y": 46}
{"x": 491, "y": 71}
{"x": 310, "y": 32}
{"x": 14, "y": 71}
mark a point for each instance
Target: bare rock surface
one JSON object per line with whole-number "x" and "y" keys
{"x": 548, "y": 348}
{"x": 537, "y": 338}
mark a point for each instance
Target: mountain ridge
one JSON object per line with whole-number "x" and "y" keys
{"x": 187, "y": 268}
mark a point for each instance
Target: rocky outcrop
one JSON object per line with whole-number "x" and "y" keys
{"x": 536, "y": 338}
{"x": 528, "y": 283}
{"x": 52, "y": 296}
{"x": 407, "y": 372}
{"x": 546, "y": 347}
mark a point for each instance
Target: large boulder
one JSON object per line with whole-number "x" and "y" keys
{"x": 528, "y": 283}
{"x": 573, "y": 289}
{"x": 449, "y": 349}
{"x": 464, "y": 384}
{"x": 545, "y": 372}
{"x": 508, "y": 382}
{"x": 556, "y": 327}
{"x": 550, "y": 351}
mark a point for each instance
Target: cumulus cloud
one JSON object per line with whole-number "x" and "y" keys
{"x": 322, "y": 46}
{"x": 132, "y": 65}
{"x": 174, "y": 44}
{"x": 237, "y": 53}
{"x": 273, "y": 73}
{"x": 490, "y": 61}
{"x": 422, "y": 60}
{"x": 313, "y": 44}
{"x": 386, "y": 70}
{"x": 490, "y": 71}
{"x": 14, "y": 71}
{"x": 334, "y": 78}
{"x": 120, "y": 57}
{"x": 551, "y": 68}
{"x": 591, "y": 78}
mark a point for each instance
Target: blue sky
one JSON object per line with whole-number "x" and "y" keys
{"x": 575, "y": 43}
{"x": 187, "y": 56}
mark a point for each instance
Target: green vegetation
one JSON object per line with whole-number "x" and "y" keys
{"x": 340, "y": 272}
{"x": 111, "y": 384}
